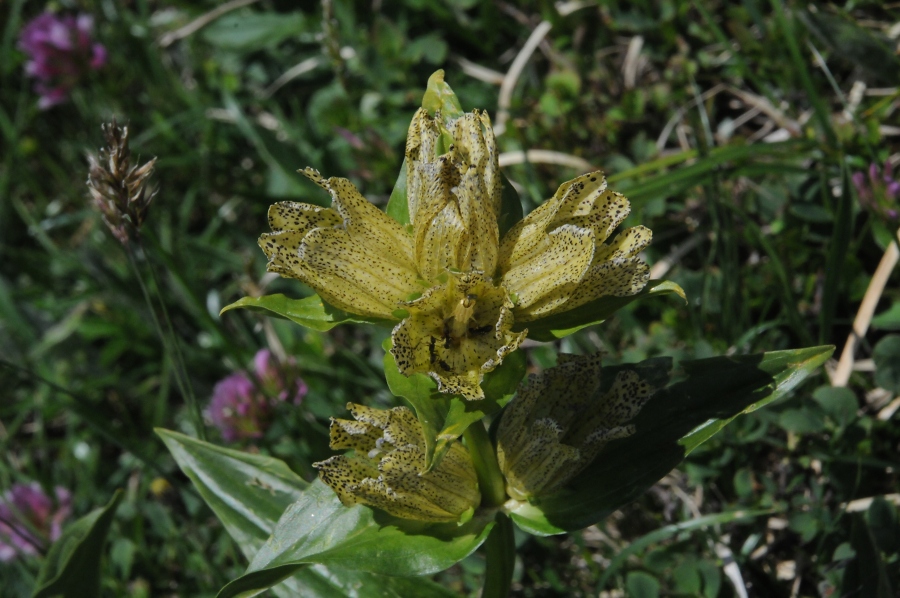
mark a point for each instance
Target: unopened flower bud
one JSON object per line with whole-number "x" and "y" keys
{"x": 560, "y": 421}
{"x": 387, "y": 470}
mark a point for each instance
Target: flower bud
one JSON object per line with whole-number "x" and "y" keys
{"x": 560, "y": 421}
{"x": 387, "y": 469}
{"x": 454, "y": 191}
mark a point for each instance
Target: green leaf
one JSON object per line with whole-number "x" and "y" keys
{"x": 595, "y": 312}
{"x": 510, "y": 207}
{"x": 887, "y": 363}
{"x": 669, "y": 531}
{"x": 72, "y": 567}
{"x": 439, "y": 96}
{"x": 248, "y": 32}
{"x": 801, "y": 421}
{"x": 398, "y": 204}
{"x": 319, "y": 529}
{"x": 641, "y": 585}
{"x": 888, "y": 320}
{"x": 839, "y": 403}
{"x": 312, "y": 312}
{"x": 249, "y": 493}
{"x": 445, "y": 417}
{"x": 674, "y": 422}
{"x": 866, "y": 574}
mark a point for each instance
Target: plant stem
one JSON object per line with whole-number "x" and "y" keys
{"x": 500, "y": 550}
{"x": 490, "y": 479}
{"x": 866, "y": 311}
{"x": 169, "y": 341}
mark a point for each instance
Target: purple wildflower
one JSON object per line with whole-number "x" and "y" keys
{"x": 60, "y": 51}
{"x": 879, "y": 191}
{"x": 242, "y": 403}
{"x": 281, "y": 380}
{"x": 29, "y": 519}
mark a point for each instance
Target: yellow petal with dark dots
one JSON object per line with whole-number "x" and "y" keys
{"x": 351, "y": 277}
{"x": 551, "y": 276}
{"x": 387, "y": 468}
{"x": 453, "y": 191}
{"x": 356, "y": 435}
{"x": 343, "y": 475}
{"x": 301, "y": 217}
{"x": 544, "y": 258}
{"x": 365, "y": 223}
{"x": 354, "y": 255}
{"x": 558, "y": 423}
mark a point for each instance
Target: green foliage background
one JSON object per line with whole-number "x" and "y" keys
{"x": 733, "y": 140}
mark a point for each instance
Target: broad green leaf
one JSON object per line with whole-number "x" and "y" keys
{"x": 319, "y": 529}
{"x": 249, "y": 493}
{"x": 445, "y": 417}
{"x": 674, "y": 422}
{"x": 248, "y": 32}
{"x": 311, "y": 312}
{"x": 595, "y": 312}
{"x": 72, "y": 567}
{"x": 887, "y": 362}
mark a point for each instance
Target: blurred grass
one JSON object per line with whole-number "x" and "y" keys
{"x": 782, "y": 256}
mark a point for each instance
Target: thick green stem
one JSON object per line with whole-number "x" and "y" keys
{"x": 490, "y": 479}
{"x": 500, "y": 550}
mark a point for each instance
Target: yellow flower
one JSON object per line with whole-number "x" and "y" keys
{"x": 456, "y": 332}
{"x": 556, "y": 258}
{"x": 559, "y": 422}
{"x": 387, "y": 469}
{"x": 457, "y": 287}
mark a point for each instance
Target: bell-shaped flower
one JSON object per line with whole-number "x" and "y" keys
{"x": 557, "y": 258}
{"x": 457, "y": 288}
{"x": 456, "y": 332}
{"x": 387, "y": 469}
{"x": 560, "y": 421}
{"x": 354, "y": 255}
{"x": 453, "y": 188}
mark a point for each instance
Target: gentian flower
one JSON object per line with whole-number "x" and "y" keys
{"x": 29, "y": 519}
{"x": 60, "y": 51}
{"x": 453, "y": 285}
{"x": 241, "y": 405}
{"x": 560, "y": 421}
{"x": 387, "y": 469}
{"x": 879, "y": 191}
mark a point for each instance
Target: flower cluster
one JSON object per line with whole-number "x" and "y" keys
{"x": 456, "y": 287}
{"x": 241, "y": 405}
{"x": 120, "y": 190}
{"x": 559, "y": 422}
{"x": 29, "y": 519}
{"x": 879, "y": 192}
{"x": 60, "y": 51}
{"x": 387, "y": 470}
